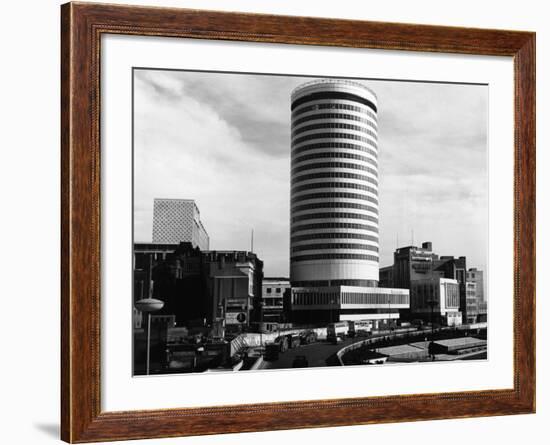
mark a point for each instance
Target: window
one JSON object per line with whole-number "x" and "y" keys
{"x": 268, "y": 290}
{"x": 278, "y": 290}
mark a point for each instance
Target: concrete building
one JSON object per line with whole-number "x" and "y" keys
{"x": 272, "y": 304}
{"x": 440, "y": 295}
{"x": 472, "y": 306}
{"x": 334, "y": 185}
{"x": 234, "y": 284}
{"x": 413, "y": 263}
{"x": 178, "y": 220}
{"x": 334, "y": 206}
{"x": 475, "y": 275}
{"x": 216, "y": 289}
{"x": 339, "y": 303}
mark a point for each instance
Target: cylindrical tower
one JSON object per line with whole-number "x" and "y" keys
{"x": 334, "y": 185}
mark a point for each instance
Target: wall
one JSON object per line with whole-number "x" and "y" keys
{"x": 29, "y": 181}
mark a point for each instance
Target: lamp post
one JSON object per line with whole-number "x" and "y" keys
{"x": 432, "y": 303}
{"x": 148, "y": 305}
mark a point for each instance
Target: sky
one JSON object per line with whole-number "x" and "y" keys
{"x": 224, "y": 140}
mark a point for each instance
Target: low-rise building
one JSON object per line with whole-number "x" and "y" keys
{"x": 339, "y": 303}
{"x": 273, "y": 290}
{"x": 438, "y": 298}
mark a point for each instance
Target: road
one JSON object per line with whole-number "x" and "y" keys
{"x": 316, "y": 354}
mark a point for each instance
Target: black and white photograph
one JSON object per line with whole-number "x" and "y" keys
{"x": 284, "y": 221}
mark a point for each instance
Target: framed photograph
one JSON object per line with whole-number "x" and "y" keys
{"x": 274, "y": 222}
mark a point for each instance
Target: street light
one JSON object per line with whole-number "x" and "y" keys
{"x": 148, "y": 305}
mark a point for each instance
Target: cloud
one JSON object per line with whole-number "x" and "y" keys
{"x": 223, "y": 140}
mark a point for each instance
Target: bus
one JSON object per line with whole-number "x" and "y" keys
{"x": 336, "y": 330}
{"x": 360, "y": 327}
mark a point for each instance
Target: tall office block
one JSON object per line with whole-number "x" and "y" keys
{"x": 334, "y": 185}
{"x": 334, "y": 207}
{"x": 178, "y": 220}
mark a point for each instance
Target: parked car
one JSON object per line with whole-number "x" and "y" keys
{"x": 308, "y": 337}
{"x": 300, "y": 361}
{"x": 293, "y": 341}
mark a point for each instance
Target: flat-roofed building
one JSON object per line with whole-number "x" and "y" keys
{"x": 439, "y": 297}
{"x": 178, "y": 220}
{"x": 340, "y": 303}
{"x": 272, "y": 303}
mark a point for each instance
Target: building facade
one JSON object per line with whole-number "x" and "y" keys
{"x": 178, "y": 220}
{"x": 339, "y": 303}
{"x": 437, "y": 298}
{"x": 475, "y": 275}
{"x": 334, "y": 185}
{"x": 272, "y": 304}
{"x": 216, "y": 289}
{"x": 334, "y": 244}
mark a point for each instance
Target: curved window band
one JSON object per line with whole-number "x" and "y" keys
{"x": 334, "y": 135}
{"x": 334, "y": 106}
{"x": 332, "y": 145}
{"x": 319, "y": 116}
{"x": 331, "y": 185}
{"x": 334, "y": 256}
{"x": 350, "y": 246}
{"x": 334, "y": 205}
{"x": 333, "y": 195}
{"x": 333, "y": 225}
{"x": 332, "y": 125}
{"x": 347, "y": 165}
{"x": 334, "y": 155}
{"x": 301, "y": 178}
{"x": 333, "y": 215}
{"x": 333, "y": 95}
{"x": 334, "y": 235}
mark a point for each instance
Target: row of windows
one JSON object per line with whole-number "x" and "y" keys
{"x": 334, "y": 256}
{"x": 363, "y": 298}
{"x": 349, "y": 117}
{"x": 333, "y": 185}
{"x": 333, "y": 95}
{"x": 334, "y": 106}
{"x": 334, "y": 235}
{"x": 334, "y": 135}
{"x": 334, "y": 225}
{"x": 334, "y": 215}
{"x": 368, "y": 298}
{"x": 334, "y": 165}
{"x": 334, "y": 195}
{"x": 335, "y": 205}
{"x": 332, "y": 154}
{"x": 332, "y": 145}
{"x": 326, "y": 283}
{"x": 339, "y": 125}
{"x": 351, "y": 246}
{"x": 334, "y": 175}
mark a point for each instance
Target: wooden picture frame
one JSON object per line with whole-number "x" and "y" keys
{"x": 82, "y": 25}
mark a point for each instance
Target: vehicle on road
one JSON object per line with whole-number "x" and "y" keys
{"x": 293, "y": 341}
{"x": 335, "y": 329}
{"x": 359, "y": 327}
{"x": 308, "y": 337}
{"x": 300, "y": 361}
{"x": 339, "y": 338}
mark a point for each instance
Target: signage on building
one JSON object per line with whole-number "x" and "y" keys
{"x": 235, "y": 318}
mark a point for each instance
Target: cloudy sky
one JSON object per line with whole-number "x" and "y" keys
{"x": 223, "y": 140}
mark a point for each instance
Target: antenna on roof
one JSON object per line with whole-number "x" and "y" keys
{"x": 252, "y": 241}
{"x": 412, "y": 237}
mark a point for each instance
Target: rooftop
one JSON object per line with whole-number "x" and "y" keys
{"x": 333, "y": 81}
